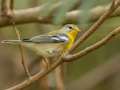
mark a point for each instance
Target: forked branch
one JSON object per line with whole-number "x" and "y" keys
{"x": 68, "y": 58}
{"x": 7, "y": 12}
{"x": 96, "y": 25}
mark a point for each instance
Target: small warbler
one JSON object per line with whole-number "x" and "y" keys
{"x": 52, "y": 43}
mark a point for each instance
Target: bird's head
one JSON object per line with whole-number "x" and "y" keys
{"x": 71, "y": 30}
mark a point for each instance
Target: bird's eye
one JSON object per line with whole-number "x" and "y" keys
{"x": 70, "y": 27}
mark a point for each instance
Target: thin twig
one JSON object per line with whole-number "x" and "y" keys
{"x": 7, "y": 11}
{"x": 95, "y": 26}
{"x": 70, "y": 58}
{"x": 36, "y": 77}
{"x": 21, "y": 52}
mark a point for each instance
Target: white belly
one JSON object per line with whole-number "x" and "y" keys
{"x": 46, "y": 49}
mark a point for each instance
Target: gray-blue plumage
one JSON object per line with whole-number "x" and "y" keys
{"x": 48, "y": 39}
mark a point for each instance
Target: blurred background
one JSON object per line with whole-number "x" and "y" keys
{"x": 99, "y": 70}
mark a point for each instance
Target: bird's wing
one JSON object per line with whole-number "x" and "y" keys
{"x": 48, "y": 39}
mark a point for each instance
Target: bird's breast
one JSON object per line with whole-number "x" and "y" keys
{"x": 47, "y": 49}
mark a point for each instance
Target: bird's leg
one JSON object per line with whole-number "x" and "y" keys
{"x": 44, "y": 82}
{"x": 46, "y": 62}
{"x": 59, "y": 76}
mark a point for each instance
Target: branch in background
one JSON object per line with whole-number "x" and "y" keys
{"x": 97, "y": 75}
{"x": 31, "y": 15}
{"x": 7, "y": 12}
{"x": 28, "y": 15}
{"x": 7, "y": 7}
{"x": 95, "y": 13}
{"x": 95, "y": 26}
{"x": 70, "y": 58}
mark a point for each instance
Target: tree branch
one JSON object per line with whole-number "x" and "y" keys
{"x": 31, "y": 15}
{"x": 96, "y": 25}
{"x": 74, "y": 57}
{"x": 7, "y": 7}
{"x": 94, "y": 13}
{"x": 36, "y": 77}
{"x": 21, "y": 52}
{"x": 7, "y": 12}
{"x": 28, "y": 15}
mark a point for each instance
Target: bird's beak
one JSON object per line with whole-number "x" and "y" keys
{"x": 78, "y": 30}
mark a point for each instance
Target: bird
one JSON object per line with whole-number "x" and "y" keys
{"x": 50, "y": 44}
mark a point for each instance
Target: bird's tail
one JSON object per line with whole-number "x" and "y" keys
{"x": 11, "y": 42}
